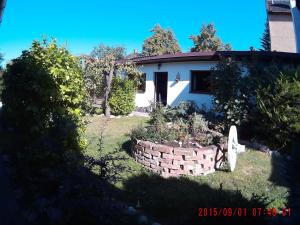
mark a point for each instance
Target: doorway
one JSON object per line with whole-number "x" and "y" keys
{"x": 161, "y": 87}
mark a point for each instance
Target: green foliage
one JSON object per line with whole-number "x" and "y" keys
{"x": 152, "y": 134}
{"x": 183, "y": 110}
{"x": 266, "y": 39}
{"x": 42, "y": 99}
{"x": 162, "y": 41}
{"x": 169, "y": 124}
{"x": 228, "y": 91}
{"x": 122, "y": 96}
{"x": 198, "y": 124}
{"x": 103, "y": 51}
{"x": 279, "y": 105}
{"x": 207, "y": 40}
{"x": 95, "y": 68}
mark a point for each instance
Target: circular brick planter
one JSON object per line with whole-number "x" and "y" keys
{"x": 174, "y": 161}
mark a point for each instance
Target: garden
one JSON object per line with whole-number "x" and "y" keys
{"x": 78, "y": 161}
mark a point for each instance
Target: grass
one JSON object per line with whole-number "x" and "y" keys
{"x": 171, "y": 200}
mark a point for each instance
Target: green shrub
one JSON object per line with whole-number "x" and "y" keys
{"x": 152, "y": 134}
{"x": 198, "y": 124}
{"x": 42, "y": 102}
{"x": 279, "y": 106}
{"x": 183, "y": 110}
{"x": 122, "y": 96}
{"x": 228, "y": 90}
{"x": 98, "y": 111}
{"x": 158, "y": 117}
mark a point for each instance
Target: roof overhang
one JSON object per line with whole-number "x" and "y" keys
{"x": 2, "y": 6}
{"x": 215, "y": 56}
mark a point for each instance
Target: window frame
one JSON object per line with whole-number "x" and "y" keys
{"x": 208, "y": 92}
{"x": 144, "y": 90}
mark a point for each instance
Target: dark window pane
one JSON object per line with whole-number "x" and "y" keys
{"x": 200, "y": 82}
{"x": 142, "y": 85}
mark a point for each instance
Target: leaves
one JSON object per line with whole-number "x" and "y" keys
{"x": 162, "y": 42}
{"x": 279, "y": 106}
{"x": 207, "y": 40}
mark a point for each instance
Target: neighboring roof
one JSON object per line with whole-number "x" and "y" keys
{"x": 215, "y": 56}
{"x": 2, "y": 6}
{"x": 279, "y": 6}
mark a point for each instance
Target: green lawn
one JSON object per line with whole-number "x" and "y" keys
{"x": 172, "y": 199}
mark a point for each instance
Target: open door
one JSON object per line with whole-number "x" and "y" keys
{"x": 161, "y": 87}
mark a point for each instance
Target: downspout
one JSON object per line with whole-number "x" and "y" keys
{"x": 2, "y": 6}
{"x": 295, "y": 9}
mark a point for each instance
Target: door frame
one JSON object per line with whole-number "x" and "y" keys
{"x": 155, "y": 86}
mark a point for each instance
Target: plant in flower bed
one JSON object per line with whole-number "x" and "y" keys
{"x": 182, "y": 125}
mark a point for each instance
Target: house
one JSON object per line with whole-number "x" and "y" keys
{"x": 284, "y": 24}
{"x": 171, "y": 79}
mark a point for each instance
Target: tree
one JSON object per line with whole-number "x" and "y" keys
{"x": 42, "y": 103}
{"x": 1, "y": 59}
{"x": 266, "y": 39}
{"x": 279, "y": 106}
{"x": 162, "y": 41}
{"x": 228, "y": 92}
{"x": 101, "y": 66}
{"x": 207, "y": 40}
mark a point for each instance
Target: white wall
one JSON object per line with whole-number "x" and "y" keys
{"x": 177, "y": 92}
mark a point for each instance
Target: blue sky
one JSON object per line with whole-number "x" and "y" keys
{"x": 81, "y": 25}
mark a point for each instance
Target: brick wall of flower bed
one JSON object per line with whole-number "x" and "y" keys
{"x": 174, "y": 161}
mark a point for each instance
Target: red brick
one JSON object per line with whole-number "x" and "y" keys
{"x": 170, "y": 166}
{"x": 167, "y": 156}
{"x": 189, "y": 167}
{"x": 181, "y": 151}
{"x": 155, "y": 153}
{"x": 139, "y": 148}
{"x": 154, "y": 162}
{"x": 146, "y": 144}
{"x": 163, "y": 149}
{"x": 147, "y": 155}
{"x": 162, "y": 160}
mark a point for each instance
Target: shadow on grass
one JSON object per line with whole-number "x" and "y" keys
{"x": 177, "y": 201}
{"x": 285, "y": 172}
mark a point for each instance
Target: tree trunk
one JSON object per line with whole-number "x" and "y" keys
{"x": 107, "y": 91}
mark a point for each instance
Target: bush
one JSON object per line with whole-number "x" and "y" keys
{"x": 198, "y": 124}
{"x": 42, "y": 102}
{"x": 151, "y": 134}
{"x": 279, "y": 107}
{"x": 183, "y": 110}
{"x": 122, "y": 96}
{"x": 228, "y": 91}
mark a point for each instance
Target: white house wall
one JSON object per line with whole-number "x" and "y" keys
{"x": 177, "y": 92}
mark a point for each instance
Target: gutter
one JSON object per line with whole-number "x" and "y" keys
{"x": 2, "y": 6}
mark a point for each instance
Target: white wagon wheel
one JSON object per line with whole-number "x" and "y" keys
{"x": 232, "y": 148}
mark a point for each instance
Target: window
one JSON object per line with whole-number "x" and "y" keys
{"x": 200, "y": 82}
{"x": 142, "y": 85}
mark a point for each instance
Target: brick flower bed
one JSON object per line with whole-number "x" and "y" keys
{"x": 174, "y": 161}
